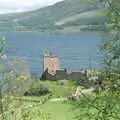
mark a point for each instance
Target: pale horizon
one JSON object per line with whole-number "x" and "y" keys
{"x": 12, "y": 6}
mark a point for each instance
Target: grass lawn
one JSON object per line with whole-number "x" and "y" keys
{"x": 55, "y": 111}
{"x": 58, "y": 89}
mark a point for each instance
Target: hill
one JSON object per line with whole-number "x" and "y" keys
{"x": 66, "y": 14}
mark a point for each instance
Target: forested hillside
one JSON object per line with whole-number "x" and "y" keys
{"x": 68, "y": 13}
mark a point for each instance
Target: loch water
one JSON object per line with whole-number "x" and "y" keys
{"x": 75, "y": 51}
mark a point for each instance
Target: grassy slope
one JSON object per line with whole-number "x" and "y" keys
{"x": 58, "y": 111}
{"x": 51, "y": 111}
{"x": 85, "y": 15}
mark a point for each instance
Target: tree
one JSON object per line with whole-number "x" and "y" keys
{"x": 13, "y": 84}
{"x": 110, "y": 47}
{"x": 2, "y": 54}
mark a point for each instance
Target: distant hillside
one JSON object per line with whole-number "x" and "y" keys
{"x": 62, "y": 15}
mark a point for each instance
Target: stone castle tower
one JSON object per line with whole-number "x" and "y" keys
{"x": 51, "y": 63}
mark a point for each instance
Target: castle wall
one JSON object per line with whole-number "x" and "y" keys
{"x": 79, "y": 77}
{"x": 60, "y": 75}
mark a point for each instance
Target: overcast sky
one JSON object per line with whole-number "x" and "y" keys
{"x": 7, "y": 6}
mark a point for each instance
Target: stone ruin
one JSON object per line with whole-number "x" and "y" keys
{"x": 52, "y": 71}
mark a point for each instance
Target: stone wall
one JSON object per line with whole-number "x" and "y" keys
{"x": 79, "y": 76}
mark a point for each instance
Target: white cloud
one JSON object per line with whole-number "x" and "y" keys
{"x": 22, "y": 5}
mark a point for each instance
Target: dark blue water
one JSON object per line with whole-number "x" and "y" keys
{"x": 74, "y": 51}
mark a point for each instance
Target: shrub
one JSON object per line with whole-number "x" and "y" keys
{"x": 62, "y": 82}
{"x": 37, "y": 89}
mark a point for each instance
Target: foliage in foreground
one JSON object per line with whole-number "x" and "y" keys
{"x": 105, "y": 106}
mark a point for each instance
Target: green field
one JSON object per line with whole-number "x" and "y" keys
{"x": 53, "y": 111}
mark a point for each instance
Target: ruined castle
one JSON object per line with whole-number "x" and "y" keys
{"x": 52, "y": 71}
